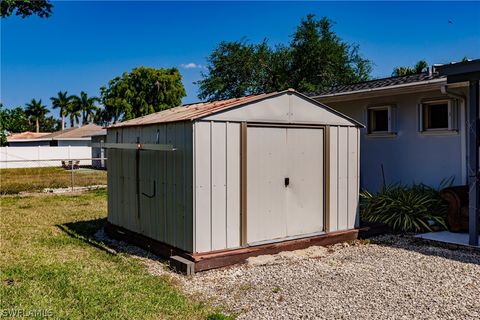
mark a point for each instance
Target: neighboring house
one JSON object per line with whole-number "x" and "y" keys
{"x": 415, "y": 127}
{"x": 74, "y": 137}
{"x": 99, "y": 154}
{"x": 27, "y": 136}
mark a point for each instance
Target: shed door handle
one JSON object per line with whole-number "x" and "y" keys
{"x": 287, "y": 182}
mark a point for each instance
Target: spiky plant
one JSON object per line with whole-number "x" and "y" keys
{"x": 405, "y": 208}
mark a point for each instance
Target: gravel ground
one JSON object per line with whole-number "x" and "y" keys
{"x": 391, "y": 277}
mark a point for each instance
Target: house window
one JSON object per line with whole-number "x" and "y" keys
{"x": 438, "y": 115}
{"x": 380, "y": 120}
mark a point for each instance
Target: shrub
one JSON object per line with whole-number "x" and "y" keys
{"x": 405, "y": 208}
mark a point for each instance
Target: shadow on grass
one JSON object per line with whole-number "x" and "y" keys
{"x": 430, "y": 248}
{"x": 92, "y": 233}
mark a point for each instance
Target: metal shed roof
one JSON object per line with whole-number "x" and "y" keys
{"x": 195, "y": 111}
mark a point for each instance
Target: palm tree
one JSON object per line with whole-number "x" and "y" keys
{"x": 420, "y": 66}
{"x": 37, "y": 111}
{"x": 87, "y": 106}
{"x": 62, "y": 101}
{"x": 73, "y": 112}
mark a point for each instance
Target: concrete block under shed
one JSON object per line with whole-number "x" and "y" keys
{"x": 182, "y": 265}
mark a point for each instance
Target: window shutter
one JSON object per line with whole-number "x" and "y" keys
{"x": 420, "y": 117}
{"x": 453, "y": 115}
{"x": 392, "y": 119}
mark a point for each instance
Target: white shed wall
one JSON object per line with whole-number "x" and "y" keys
{"x": 343, "y": 178}
{"x": 287, "y": 108}
{"x": 217, "y": 185}
{"x": 168, "y": 215}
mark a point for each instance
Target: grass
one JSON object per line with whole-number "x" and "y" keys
{"x": 13, "y": 181}
{"x": 47, "y": 264}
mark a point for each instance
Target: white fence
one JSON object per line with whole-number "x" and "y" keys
{"x": 22, "y": 157}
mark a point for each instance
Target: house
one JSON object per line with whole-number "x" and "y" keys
{"x": 419, "y": 128}
{"x": 74, "y": 137}
{"x": 415, "y": 127}
{"x": 217, "y": 182}
{"x": 29, "y": 149}
{"x": 24, "y": 138}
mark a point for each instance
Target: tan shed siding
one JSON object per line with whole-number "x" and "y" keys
{"x": 333, "y": 201}
{"x": 217, "y": 185}
{"x": 167, "y": 216}
{"x": 352, "y": 177}
{"x": 233, "y": 185}
{"x": 202, "y": 187}
{"x": 342, "y": 161}
{"x": 288, "y": 108}
{"x": 344, "y": 178}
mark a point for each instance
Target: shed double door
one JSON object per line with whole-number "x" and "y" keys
{"x": 285, "y": 182}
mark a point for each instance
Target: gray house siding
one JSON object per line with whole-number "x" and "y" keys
{"x": 409, "y": 156}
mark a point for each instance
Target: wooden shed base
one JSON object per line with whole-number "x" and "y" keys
{"x": 223, "y": 258}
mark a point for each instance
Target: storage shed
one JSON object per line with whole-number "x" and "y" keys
{"x": 219, "y": 181}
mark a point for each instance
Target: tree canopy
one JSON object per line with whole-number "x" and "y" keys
{"x": 316, "y": 58}
{"x": 25, "y": 8}
{"x": 419, "y": 67}
{"x": 16, "y": 120}
{"x": 86, "y": 105}
{"x": 62, "y": 101}
{"x": 141, "y": 92}
{"x": 36, "y": 111}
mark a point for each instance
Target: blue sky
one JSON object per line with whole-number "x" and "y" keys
{"x": 85, "y": 44}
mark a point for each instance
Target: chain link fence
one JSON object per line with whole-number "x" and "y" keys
{"x": 52, "y": 175}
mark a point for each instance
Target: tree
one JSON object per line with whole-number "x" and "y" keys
{"x": 25, "y": 8}
{"x": 74, "y": 112}
{"x": 12, "y": 121}
{"x": 86, "y": 105}
{"x": 316, "y": 58}
{"x": 62, "y": 102}
{"x": 36, "y": 111}
{"x": 420, "y": 66}
{"x": 235, "y": 69}
{"x": 50, "y": 124}
{"x": 320, "y": 59}
{"x": 141, "y": 92}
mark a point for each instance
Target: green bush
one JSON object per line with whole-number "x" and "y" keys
{"x": 405, "y": 208}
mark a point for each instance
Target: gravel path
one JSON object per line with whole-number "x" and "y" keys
{"x": 391, "y": 278}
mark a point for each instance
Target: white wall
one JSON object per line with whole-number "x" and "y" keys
{"x": 343, "y": 170}
{"x": 217, "y": 185}
{"x": 165, "y": 215}
{"x": 410, "y": 156}
{"x": 24, "y": 157}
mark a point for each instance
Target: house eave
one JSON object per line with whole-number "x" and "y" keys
{"x": 423, "y": 86}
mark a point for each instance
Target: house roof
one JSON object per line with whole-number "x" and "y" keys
{"x": 193, "y": 111}
{"x": 26, "y": 135}
{"x": 80, "y": 133}
{"x": 379, "y": 84}
{"x": 85, "y": 131}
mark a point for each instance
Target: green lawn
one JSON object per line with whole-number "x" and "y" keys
{"x": 13, "y": 181}
{"x": 48, "y": 261}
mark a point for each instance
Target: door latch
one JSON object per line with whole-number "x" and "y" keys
{"x": 287, "y": 182}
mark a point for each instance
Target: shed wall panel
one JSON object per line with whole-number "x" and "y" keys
{"x": 233, "y": 185}
{"x": 202, "y": 187}
{"x": 217, "y": 180}
{"x": 165, "y": 202}
{"x": 342, "y": 162}
{"x": 170, "y": 196}
{"x": 219, "y": 185}
{"x": 333, "y": 188}
{"x": 352, "y": 177}
{"x": 179, "y": 185}
{"x": 287, "y": 108}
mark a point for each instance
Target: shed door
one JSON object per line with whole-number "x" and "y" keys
{"x": 284, "y": 182}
